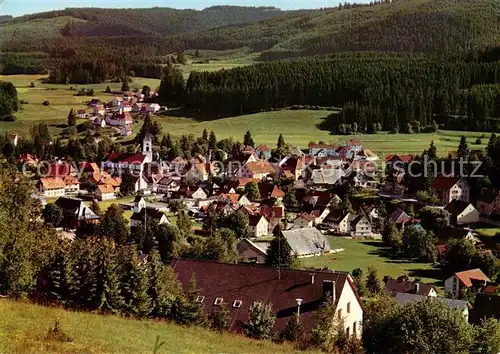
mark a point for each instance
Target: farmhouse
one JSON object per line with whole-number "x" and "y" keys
{"x": 238, "y": 286}
{"x": 361, "y": 226}
{"x": 51, "y": 187}
{"x": 105, "y": 192}
{"x": 449, "y": 188}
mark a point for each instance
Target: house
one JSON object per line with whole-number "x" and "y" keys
{"x": 238, "y": 286}
{"x": 304, "y": 220}
{"x": 72, "y": 185}
{"x": 361, "y": 226}
{"x": 399, "y": 217}
{"x": 105, "y": 192}
{"x": 263, "y": 152}
{"x": 270, "y": 191}
{"x": 234, "y": 199}
{"x": 51, "y": 187}
{"x": 167, "y": 184}
{"x": 259, "y": 226}
{"x": 274, "y": 214}
{"x": 196, "y": 193}
{"x": 306, "y": 242}
{"x": 258, "y": 169}
{"x": 99, "y": 122}
{"x": 249, "y": 252}
{"x": 146, "y": 215}
{"x": 117, "y": 101}
{"x": 464, "y": 280}
{"x": 462, "y": 213}
{"x": 120, "y": 118}
{"x": 292, "y": 166}
{"x": 449, "y": 188}
{"x": 403, "y": 285}
{"x": 488, "y": 203}
{"x": 81, "y": 113}
{"x": 460, "y": 305}
{"x": 153, "y": 107}
{"x": 28, "y": 159}
{"x": 99, "y": 110}
{"x": 325, "y": 177}
{"x": 322, "y": 150}
{"x": 75, "y": 211}
{"x": 353, "y": 147}
{"x": 196, "y": 172}
{"x": 339, "y": 221}
{"x": 447, "y": 233}
{"x": 366, "y": 155}
{"x": 13, "y": 138}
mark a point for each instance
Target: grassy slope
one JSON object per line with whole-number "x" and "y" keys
{"x": 364, "y": 253}
{"x": 298, "y": 127}
{"x": 47, "y": 28}
{"x": 23, "y": 328}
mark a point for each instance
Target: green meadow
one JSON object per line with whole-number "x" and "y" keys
{"x": 299, "y": 127}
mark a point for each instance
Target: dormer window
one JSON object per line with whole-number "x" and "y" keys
{"x": 237, "y": 303}
{"x": 200, "y": 298}
{"x": 218, "y": 301}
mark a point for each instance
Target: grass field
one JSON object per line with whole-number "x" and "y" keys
{"x": 23, "y": 328}
{"x": 298, "y": 127}
{"x": 364, "y": 253}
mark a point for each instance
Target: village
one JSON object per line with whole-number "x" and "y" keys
{"x": 306, "y": 199}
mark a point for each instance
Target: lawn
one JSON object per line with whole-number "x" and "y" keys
{"x": 364, "y": 253}
{"x": 298, "y": 127}
{"x": 23, "y": 328}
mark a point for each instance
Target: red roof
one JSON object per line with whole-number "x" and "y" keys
{"x": 403, "y": 158}
{"x": 352, "y": 142}
{"x": 251, "y": 283}
{"x": 443, "y": 182}
{"x": 59, "y": 169}
{"x": 137, "y": 158}
{"x": 262, "y": 148}
{"x": 467, "y": 276}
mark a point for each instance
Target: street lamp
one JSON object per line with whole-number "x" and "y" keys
{"x": 299, "y": 302}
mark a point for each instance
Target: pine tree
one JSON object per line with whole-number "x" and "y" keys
{"x": 135, "y": 284}
{"x": 210, "y": 220}
{"x": 260, "y": 321}
{"x": 212, "y": 141}
{"x": 373, "y": 282}
{"x": 281, "y": 142}
{"x": 71, "y": 118}
{"x": 114, "y": 225}
{"x": 108, "y": 89}
{"x": 59, "y": 280}
{"x": 279, "y": 252}
{"x": 108, "y": 297}
{"x": 247, "y": 139}
{"x": 125, "y": 86}
{"x": 163, "y": 286}
{"x": 293, "y": 330}
{"x": 432, "y": 152}
{"x": 463, "y": 148}
{"x": 186, "y": 309}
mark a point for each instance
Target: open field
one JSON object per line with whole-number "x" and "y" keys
{"x": 23, "y": 328}
{"x": 298, "y": 127}
{"x": 364, "y": 253}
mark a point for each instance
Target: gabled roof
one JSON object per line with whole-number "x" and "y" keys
{"x": 251, "y": 283}
{"x": 262, "y": 148}
{"x": 444, "y": 182}
{"x": 253, "y": 219}
{"x": 468, "y": 276}
{"x": 358, "y": 218}
{"x": 455, "y": 207}
{"x": 70, "y": 180}
{"x": 402, "y": 286}
{"x": 151, "y": 214}
{"x": 403, "y": 158}
{"x": 52, "y": 183}
{"x": 455, "y": 304}
{"x": 306, "y": 241}
{"x": 137, "y": 158}
{"x": 75, "y": 208}
{"x": 105, "y": 189}
{"x": 260, "y": 167}
{"x": 270, "y": 190}
{"x": 399, "y": 216}
{"x": 306, "y": 216}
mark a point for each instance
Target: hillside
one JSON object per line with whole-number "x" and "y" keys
{"x": 403, "y": 25}
{"x": 23, "y": 328}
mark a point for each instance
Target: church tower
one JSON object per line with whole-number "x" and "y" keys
{"x": 147, "y": 146}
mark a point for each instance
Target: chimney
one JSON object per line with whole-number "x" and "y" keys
{"x": 329, "y": 289}
{"x": 312, "y": 278}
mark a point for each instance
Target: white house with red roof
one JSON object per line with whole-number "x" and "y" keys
{"x": 464, "y": 280}
{"x": 322, "y": 150}
{"x": 449, "y": 188}
{"x": 119, "y": 118}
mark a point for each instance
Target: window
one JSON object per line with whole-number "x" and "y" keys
{"x": 348, "y": 307}
{"x": 340, "y": 314}
{"x": 347, "y": 332}
{"x": 218, "y": 301}
{"x": 354, "y": 328}
{"x": 237, "y": 303}
{"x": 200, "y": 298}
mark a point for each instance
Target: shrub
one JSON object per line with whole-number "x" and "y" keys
{"x": 10, "y": 118}
{"x": 46, "y": 103}
{"x": 57, "y": 334}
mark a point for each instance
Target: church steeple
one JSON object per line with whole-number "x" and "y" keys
{"x": 147, "y": 146}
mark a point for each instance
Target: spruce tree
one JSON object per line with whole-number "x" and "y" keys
{"x": 134, "y": 284}
{"x": 281, "y": 142}
{"x": 373, "y": 282}
{"x": 186, "y": 309}
{"x": 163, "y": 286}
{"x": 125, "y": 86}
{"x": 463, "y": 148}
{"x": 204, "y": 135}
{"x": 71, "y": 118}
{"x": 59, "y": 280}
{"x": 108, "y": 297}
{"x": 212, "y": 141}
{"x": 184, "y": 223}
{"x": 293, "y": 330}
{"x": 279, "y": 252}
{"x": 248, "y": 140}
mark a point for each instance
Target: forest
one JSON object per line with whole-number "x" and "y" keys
{"x": 397, "y": 92}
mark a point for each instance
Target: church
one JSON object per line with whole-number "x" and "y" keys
{"x": 117, "y": 164}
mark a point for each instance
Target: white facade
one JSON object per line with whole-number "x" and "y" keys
{"x": 452, "y": 286}
{"x": 261, "y": 228}
{"x": 350, "y": 311}
{"x": 470, "y": 215}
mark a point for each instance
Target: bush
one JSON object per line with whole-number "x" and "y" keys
{"x": 57, "y": 334}
{"x": 10, "y": 118}
{"x": 46, "y": 103}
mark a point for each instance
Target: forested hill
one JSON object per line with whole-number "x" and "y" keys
{"x": 97, "y": 22}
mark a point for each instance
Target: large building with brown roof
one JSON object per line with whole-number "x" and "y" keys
{"x": 238, "y": 286}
